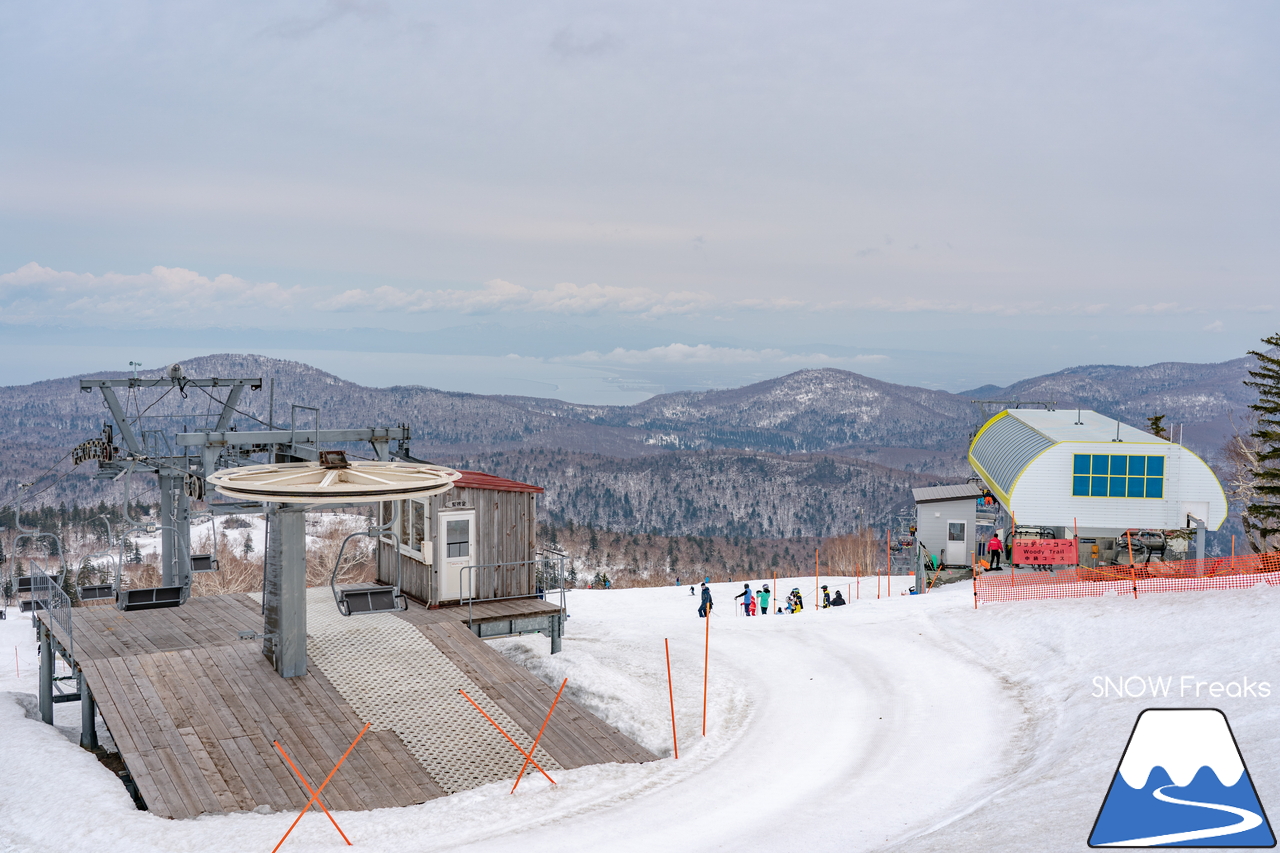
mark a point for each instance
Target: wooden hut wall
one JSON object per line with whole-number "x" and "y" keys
{"x": 505, "y": 532}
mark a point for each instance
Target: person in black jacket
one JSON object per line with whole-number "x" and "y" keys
{"x": 838, "y": 600}
{"x": 704, "y": 609}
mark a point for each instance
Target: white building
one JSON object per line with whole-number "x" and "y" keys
{"x": 1065, "y": 469}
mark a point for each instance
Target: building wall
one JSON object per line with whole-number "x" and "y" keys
{"x": 505, "y": 532}
{"x": 1042, "y": 494}
{"x": 932, "y": 518}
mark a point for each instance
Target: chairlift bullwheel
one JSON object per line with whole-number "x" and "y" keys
{"x": 313, "y": 483}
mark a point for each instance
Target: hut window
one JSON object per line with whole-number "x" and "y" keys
{"x": 1114, "y": 476}
{"x": 458, "y": 537}
{"x": 418, "y": 517}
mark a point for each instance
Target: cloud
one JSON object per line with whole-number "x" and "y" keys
{"x": 37, "y": 294}
{"x": 674, "y": 354}
{"x": 499, "y": 296}
{"x": 568, "y": 44}
{"x": 1215, "y": 326}
{"x": 334, "y": 10}
{"x": 994, "y": 307}
{"x": 1162, "y": 308}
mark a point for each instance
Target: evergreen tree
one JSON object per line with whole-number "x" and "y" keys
{"x": 1261, "y": 518}
{"x": 1155, "y": 426}
{"x": 69, "y": 587}
{"x": 246, "y": 544}
{"x": 136, "y": 557}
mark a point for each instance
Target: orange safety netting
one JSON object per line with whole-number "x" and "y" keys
{"x": 1175, "y": 576}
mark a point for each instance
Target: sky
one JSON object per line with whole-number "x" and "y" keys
{"x": 602, "y": 201}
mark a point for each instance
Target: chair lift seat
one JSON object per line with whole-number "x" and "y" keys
{"x": 381, "y": 599}
{"x": 149, "y": 599}
{"x": 93, "y": 592}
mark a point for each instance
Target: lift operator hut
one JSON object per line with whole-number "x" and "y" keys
{"x": 1064, "y": 469}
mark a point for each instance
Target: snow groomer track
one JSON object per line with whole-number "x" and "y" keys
{"x": 195, "y": 709}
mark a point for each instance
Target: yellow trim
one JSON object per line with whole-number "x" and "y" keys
{"x": 982, "y": 472}
{"x": 1226, "y": 503}
{"x": 1117, "y": 497}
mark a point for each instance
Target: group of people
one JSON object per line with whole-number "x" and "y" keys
{"x": 754, "y": 602}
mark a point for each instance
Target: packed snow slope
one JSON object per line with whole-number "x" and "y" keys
{"x": 907, "y": 724}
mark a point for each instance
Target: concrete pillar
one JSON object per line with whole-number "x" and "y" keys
{"x": 88, "y": 714}
{"x": 46, "y": 676}
{"x": 284, "y": 594}
{"x": 168, "y": 577}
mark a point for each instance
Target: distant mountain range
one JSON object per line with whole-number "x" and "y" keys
{"x": 687, "y": 451}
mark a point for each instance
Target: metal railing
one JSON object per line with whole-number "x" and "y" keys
{"x": 46, "y": 595}
{"x": 475, "y": 581}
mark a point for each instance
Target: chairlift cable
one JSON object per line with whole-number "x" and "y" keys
{"x": 237, "y": 411}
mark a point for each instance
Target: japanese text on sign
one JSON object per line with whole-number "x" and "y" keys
{"x": 1045, "y": 552}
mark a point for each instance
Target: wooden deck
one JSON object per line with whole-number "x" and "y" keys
{"x": 194, "y": 709}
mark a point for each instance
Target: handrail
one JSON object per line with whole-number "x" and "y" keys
{"x": 55, "y": 602}
{"x": 556, "y": 559}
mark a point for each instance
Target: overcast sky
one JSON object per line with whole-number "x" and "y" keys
{"x": 665, "y": 194}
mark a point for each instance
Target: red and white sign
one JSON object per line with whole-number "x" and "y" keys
{"x": 1045, "y": 552}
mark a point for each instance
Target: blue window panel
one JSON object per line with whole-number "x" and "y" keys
{"x": 1155, "y": 466}
{"x": 1098, "y": 489}
{"x": 1081, "y": 464}
{"x": 1080, "y": 485}
{"x": 1137, "y": 466}
{"x": 1119, "y": 466}
{"x": 1100, "y": 465}
{"x": 1137, "y": 487}
{"x": 1117, "y": 487}
{"x": 1155, "y": 487}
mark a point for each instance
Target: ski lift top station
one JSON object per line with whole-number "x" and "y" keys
{"x": 195, "y": 703}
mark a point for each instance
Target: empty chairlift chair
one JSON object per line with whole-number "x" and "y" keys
{"x": 378, "y": 599}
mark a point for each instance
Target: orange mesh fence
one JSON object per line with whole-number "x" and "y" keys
{"x": 1176, "y": 576}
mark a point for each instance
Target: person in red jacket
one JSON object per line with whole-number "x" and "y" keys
{"x": 995, "y": 548}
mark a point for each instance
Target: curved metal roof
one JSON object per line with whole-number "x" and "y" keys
{"x": 1003, "y": 447}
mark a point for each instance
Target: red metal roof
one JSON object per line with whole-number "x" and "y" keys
{"x": 477, "y": 480}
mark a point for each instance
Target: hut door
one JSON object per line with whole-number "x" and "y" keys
{"x": 957, "y": 543}
{"x": 457, "y": 539}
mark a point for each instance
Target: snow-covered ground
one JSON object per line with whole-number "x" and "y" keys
{"x": 202, "y": 532}
{"x": 909, "y": 723}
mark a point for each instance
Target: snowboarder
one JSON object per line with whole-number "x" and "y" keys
{"x": 691, "y": 592}
{"x": 764, "y": 600}
{"x": 704, "y": 609}
{"x": 838, "y": 601}
{"x": 748, "y": 602}
{"x": 826, "y": 596}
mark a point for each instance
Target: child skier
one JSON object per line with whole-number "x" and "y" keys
{"x": 764, "y": 600}
{"x": 794, "y": 601}
{"x": 838, "y": 600}
{"x": 748, "y": 603}
{"x": 826, "y": 596}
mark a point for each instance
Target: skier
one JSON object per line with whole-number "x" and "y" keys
{"x": 704, "y": 609}
{"x": 795, "y": 601}
{"x": 691, "y": 592}
{"x": 748, "y": 602}
{"x": 764, "y": 600}
{"x": 838, "y": 601}
{"x": 994, "y": 549}
{"x": 826, "y": 596}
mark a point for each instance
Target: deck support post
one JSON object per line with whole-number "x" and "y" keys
{"x": 557, "y": 628}
{"x": 46, "y": 675}
{"x": 88, "y": 714}
{"x": 284, "y": 593}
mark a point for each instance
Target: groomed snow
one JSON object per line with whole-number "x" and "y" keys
{"x": 911, "y": 723}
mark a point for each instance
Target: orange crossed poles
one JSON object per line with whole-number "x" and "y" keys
{"x": 315, "y": 795}
{"x": 528, "y": 756}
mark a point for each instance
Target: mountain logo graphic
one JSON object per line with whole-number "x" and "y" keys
{"x": 1182, "y": 783}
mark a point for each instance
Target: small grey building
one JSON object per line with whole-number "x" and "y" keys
{"x": 947, "y": 523}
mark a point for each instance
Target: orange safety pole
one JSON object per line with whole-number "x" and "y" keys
{"x": 857, "y": 579}
{"x": 973, "y": 567}
{"x": 815, "y": 580}
{"x": 1133, "y": 572}
{"x": 316, "y": 795}
{"x": 534, "y": 748}
{"x": 503, "y": 731}
{"x": 1233, "y": 547}
{"x": 671, "y": 693}
{"x": 303, "y": 780}
{"x": 706, "y": 657}
{"x": 888, "y": 565}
